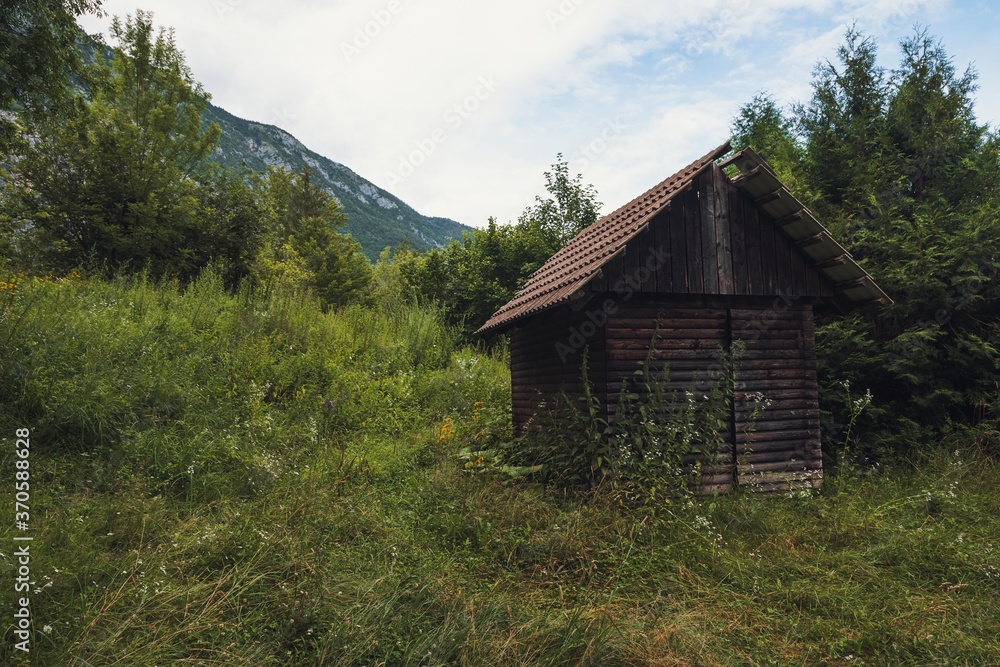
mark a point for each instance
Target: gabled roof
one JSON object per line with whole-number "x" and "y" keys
{"x": 572, "y": 267}
{"x": 579, "y": 260}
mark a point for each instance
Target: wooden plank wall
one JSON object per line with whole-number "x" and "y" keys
{"x": 777, "y": 400}
{"x": 713, "y": 240}
{"x": 546, "y": 358}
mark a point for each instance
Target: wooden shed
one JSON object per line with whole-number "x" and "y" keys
{"x": 703, "y": 260}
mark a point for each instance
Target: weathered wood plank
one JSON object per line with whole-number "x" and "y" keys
{"x": 660, "y": 226}
{"x": 783, "y": 250}
{"x": 768, "y": 255}
{"x": 679, "y": 247}
{"x": 723, "y": 232}
{"x": 797, "y": 286}
{"x": 737, "y": 230}
{"x": 631, "y": 262}
{"x": 774, "y": 436}
{"x": 652, "y": 310}
{"x": 692, "y": 232}
{"x": 707, "y": 265}
{"x": 769, "y": 425}
{"x": 813, "y": 281}
{"x": 753, "y": 245}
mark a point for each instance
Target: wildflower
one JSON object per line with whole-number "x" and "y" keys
{"x": 447, "y": 430}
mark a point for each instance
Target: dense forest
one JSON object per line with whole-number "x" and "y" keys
{"x": 252, "y": 446}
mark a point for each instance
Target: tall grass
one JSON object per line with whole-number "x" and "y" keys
{"x": 246, "y": 480}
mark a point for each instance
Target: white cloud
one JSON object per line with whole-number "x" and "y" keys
{"x": 673, "y": 72}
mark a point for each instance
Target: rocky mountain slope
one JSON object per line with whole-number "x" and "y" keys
{"x": 375, "y": 218}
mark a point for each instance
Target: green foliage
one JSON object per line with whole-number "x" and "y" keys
{"x": 570, "y": 207}
{"x": 844, "y": 126}
{"x": 761, "y": 125}
{"x": 120, "y": 180}
{"x": 896, "y": 165}
{"x": 143, "y": 379}
{"x": 39, "y": 55}
{"x": 304, "y": 248}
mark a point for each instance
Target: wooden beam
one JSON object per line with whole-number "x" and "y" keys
{"x": 791, "y": 218}
{"x": 815, "y": 239}
{"x": 747, "y": 175}
{"x": 770, "y": 197}
{"x": 852, "y": 284}
{"x": 839, "y": 260}
{"x": 732, "y": 159}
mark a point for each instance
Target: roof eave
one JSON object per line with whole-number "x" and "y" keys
{"x": 796, "y": 222}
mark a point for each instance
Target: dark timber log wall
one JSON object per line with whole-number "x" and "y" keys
{"x": 546, "y": 358}
{"x": 780, "y": 448}
{"x": 776, "y": 415}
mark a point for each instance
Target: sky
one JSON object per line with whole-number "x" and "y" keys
{"x": 458, "y": 107}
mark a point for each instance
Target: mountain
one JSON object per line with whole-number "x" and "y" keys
{"x": 375, "y": 218}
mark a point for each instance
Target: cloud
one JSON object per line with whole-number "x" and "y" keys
{"x": 366, "y": 82}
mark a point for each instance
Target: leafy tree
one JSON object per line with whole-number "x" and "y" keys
{"x": 474, "y": 276}
{"x": 305, "y": 247}
{"x": 38, "y": 51}
{"x": 570, "y": 207}
{"x": 112, "y": 181}
{"x": 232, "y": 226}
{"x": 762, "y": 125}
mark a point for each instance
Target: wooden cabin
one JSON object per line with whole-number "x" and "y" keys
{"x": 701, "y": 260}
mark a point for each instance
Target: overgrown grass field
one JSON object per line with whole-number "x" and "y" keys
{"x": 246, "y": 480}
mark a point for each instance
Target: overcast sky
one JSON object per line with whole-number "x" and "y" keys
{"x": 459, "y": 106}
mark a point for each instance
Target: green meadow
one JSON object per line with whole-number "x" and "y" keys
{"x": 244, "y": 479}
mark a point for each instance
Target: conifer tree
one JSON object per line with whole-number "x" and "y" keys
{"x": 898, "y": 166}
{"x": 305, "y": 246}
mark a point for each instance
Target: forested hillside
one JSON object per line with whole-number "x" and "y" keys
{"x": 376, "y": 218}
